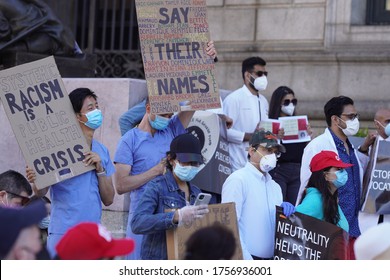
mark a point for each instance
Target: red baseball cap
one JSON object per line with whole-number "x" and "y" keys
{"x": 326, "y": 159}
{"x": 91, "y": 241}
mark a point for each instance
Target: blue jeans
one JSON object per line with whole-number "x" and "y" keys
{"x": 287, "y": 175}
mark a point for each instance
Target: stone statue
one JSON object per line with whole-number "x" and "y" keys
{"x": 31, "y": 26}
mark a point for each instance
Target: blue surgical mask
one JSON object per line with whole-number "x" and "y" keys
{"x": 341, "y": 178}
{"x": 387, "y": 130}
{"x": 159, "y": 123}
{"x": 44, "y": 223}
{"x": 185, "y": 173}
{"x": 95, "y": 119}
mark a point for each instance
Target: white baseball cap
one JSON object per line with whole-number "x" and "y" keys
{"x": 373, "y": 243}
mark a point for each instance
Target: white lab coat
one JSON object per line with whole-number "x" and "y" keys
{"x": 244, "y": 108}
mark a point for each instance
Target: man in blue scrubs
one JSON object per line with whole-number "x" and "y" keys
{"x": 79, "y": 199}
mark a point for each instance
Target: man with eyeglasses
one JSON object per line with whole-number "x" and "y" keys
{"x": 246, "y": 107}
{"x": 255, "y": 195}
{"x": 15, "y": 190}
{"x": 343, "y": 121}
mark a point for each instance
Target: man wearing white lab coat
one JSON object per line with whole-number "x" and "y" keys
{"x": 342, "y": 119}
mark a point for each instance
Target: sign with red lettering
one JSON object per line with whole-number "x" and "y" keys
{"x": 43, "y": 121}
{"x": 180, "y": 75}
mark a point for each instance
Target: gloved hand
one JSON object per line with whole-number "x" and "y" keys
{"x": 288, "y": 208}
{"x": 189, "y": 213}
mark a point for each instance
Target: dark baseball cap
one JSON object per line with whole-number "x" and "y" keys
{"x": 266, "y": 139}
{"x": 187, "y": 148}
{"x": 14, "y": 220}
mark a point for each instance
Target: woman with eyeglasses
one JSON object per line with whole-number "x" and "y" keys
{"x": 287, "y": 172}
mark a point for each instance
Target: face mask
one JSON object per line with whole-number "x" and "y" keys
{"x": 44, "y": 223}
{"x": 288, "y": 110}
{"x": 268, "y": 162}
{"x": 260, "y": 83}
{"x": 341, "y": 178}
{"x": 95, "y": 119}
{"x": 352, "y": 127}
{"x": 185, "y": 173}
{"x": 385, "y": 128}
{"x": 159, "y": 123}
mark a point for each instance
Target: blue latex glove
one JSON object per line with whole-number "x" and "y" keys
{"x": 288, "y": 208}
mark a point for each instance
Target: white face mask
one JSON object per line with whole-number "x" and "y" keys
{"x": 268, "y": 162}
{"x": 352, "y": 127}
{"x": 288, "y": 110}
{"x": 260, "y": 83}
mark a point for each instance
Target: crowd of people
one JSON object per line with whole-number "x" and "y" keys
{"x": 156, "y": 160}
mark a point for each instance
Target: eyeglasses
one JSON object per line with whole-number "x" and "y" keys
{"x": 351, "y": 116}
{"x": 270, "y": 151}
{"x": 261, "y": 73}
{"x": 25, "y": 199}
{"x": 287, "y": 102}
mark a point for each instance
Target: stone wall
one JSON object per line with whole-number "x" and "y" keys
{"x": 316, "y": 47}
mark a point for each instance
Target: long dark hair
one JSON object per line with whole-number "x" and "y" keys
{"x": 276, "y": 101}
{"x": 329, "y": 200}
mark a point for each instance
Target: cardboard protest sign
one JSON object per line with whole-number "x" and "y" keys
{"x": 376, "y": 183}
{"x": 210, "y": 129}
{"x": 295, "y": 129}
{"x": 223, "y": 213}
{"x": 43, "y": 121}
{"x": 301, "y": 237}
{"x": 180, "y": 75}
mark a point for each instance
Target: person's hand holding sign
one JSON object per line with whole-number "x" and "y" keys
{"x": 92, "y": 158}
{"x": 211, "y": 51}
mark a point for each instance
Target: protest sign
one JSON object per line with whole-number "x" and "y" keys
{"x": 295, "y": 129}
{"x": 210, "y": 129}
{"x": 301, "y": 237}
{"x": 376, "y": 183}
{"x": 223, "y": 213}
{"x": 270, "y": 125}
{"x": 43, "y": 121}
{"x": 180, "y": 75}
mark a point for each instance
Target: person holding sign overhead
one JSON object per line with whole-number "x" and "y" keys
{"x": 283, "y": 104}
{"x": 140, "y": 155}
{"x": 320, "y": 198}
{"x": 79, "y": 199}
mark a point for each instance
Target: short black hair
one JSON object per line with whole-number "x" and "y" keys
{"x": 14, "y": 182}
{"x": 78, "y": 96}
{"x": 213, "y": 242}
{"x": 249, "y": 63}
{"x": 335, "y": 107}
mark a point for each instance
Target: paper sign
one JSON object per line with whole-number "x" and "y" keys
{"x": 295, "y": 129}
{"x": 270, "y": 125}
{"x": 43, "y": 121}
{"x": 180, "y": 75}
